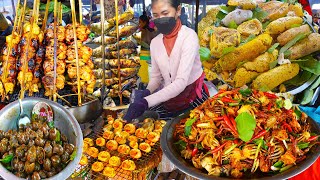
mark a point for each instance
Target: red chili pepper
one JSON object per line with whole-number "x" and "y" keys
{"x": 312, "y": 138}
{"x": 194, "y": 152}
{"x": 217, "y": 118}
{"x": 269, "y": 106}
{"x": 218, "y": 148}
{"x": 260, "y": 134}
{"x": 287, "y": 126}
{"x": 228, "y": 100}
{"x": 233, "y": 123}
{"x": 229, "y": 124}
{"x": 270, "y": 95}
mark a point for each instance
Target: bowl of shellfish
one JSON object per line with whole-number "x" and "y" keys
{"x": 49, "y": 147}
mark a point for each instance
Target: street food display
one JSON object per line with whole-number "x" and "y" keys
{"x": 267, "y": 45}
{"x": 37, "y": 150}
{"x": 122, "y": 146}
{"x": 36, "y": 47}
{"x": 241, "y": 131}
{"x": 119, "y": 54}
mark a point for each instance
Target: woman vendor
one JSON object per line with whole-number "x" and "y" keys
{"x": 176, "y": 81}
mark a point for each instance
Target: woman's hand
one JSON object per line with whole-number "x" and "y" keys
{"x": 139, "y": 94}
{"x": 136, "y": 109}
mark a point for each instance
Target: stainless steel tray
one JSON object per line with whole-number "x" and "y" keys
{"x": 170, "y": 150}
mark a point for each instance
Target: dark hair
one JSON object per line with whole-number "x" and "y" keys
{"x": 174, "y": 3}
{"x": 144, "y": 18}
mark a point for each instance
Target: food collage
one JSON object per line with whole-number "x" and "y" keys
{"x": 232, "y": 92}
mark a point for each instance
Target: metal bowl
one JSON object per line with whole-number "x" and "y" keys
{"x": 88, "y": 111}
{"x": 170, "y": 150}
{"x": 63, "y": 120}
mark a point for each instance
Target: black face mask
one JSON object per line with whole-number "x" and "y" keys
{"x": 165, "y": 25}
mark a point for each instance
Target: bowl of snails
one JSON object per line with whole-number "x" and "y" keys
{"x": 40, "y": 149}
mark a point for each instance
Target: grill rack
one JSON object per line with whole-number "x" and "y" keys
{"x": 144, "y": 164}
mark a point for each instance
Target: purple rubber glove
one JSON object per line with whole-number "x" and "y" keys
{"x": 139, "y": 94}
{"x": 136, "y": 109}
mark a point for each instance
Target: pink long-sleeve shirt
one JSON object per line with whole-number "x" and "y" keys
{"x": 176, "y": 72}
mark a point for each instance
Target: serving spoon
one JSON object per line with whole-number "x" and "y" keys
{"x": 23, "y": 119}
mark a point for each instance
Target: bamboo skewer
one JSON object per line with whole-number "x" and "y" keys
{"x": 90, "y": 14}
{"x": 25, "y": 63}
{"x": 55, "y": 50}
{"x": 103, "y": 51}
{"x": 117, "y": 30}
{"x": 80, "y": 12}
{"x": 5, "y": 66}
{"x": 44, "y": 23}
{"x": 76, "y": 48}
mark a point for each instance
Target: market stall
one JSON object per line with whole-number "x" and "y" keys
{"x": 262, "y": 59}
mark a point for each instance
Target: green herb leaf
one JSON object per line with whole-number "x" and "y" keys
{"x": 204, "y": 54}
{"x": 307, "y": 96}
{"x": 287, "y": 53}
{"x": 73, "y": 155}
{"x": 225, "y": 162}
{"x": 228, "y": 50}
{"x": 51, "y": 124}
{"x": 245, "y": 126}
{"x": 233, "y": 25}
{"x": 299, "y": 79}
{"x": 285, "y": 168}
{"x": 229, "y": 138}
{"x": 187, "y": 130}
{"x": 270, "y": 50}
{"x": 259, "y": 14}
{"x": 315, "y": 84}
{"x": 303, "y": 145}
{"x": 265, "y": 24}
{"x": 250, "y": 38}
{"x": 181, "y": 145}
{"x": 311, "y": 65}
{"x": 7, "y": 158}
{"x": 227, "y": 9}
{"x": 278, "y": 164}
{"x": 58, "y": 136}
{"x": 245, "y": 92}
{"x": 273, "y": 64}
{"x": 298, "y": 113}
{"x": 279, "y": 103}
{"x": 230, "y": 149}
{"x": 264, "y": 88}
{"x": 198, "y": 146}
{"x": 296, "y": 39}
{"x": 263, "y": 143}
{"x": 295, "y": 25}
{"x": 190, "y": 121}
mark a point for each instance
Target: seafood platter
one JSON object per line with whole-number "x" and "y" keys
{"x": 242, "y": 133}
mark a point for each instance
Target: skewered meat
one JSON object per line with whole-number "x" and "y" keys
{"x": 125, "y": 72}
{"x": 123, "y": 18}
{"x": 107, "y": 39}
{"x": 125, "y": 31}
{"x": 124, "y": 63}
